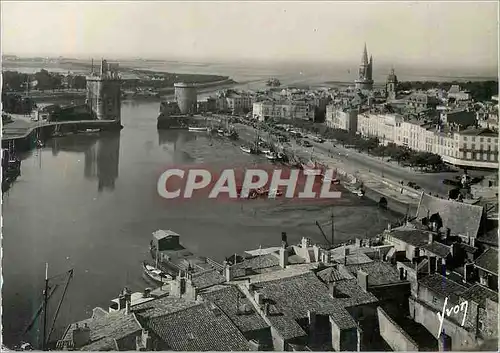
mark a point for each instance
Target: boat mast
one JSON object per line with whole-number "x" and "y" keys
{"x": 333, "y": 227}
{"x": 45, "y": 305}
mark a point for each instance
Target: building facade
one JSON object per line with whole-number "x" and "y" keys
{"x": 282, "y": 110}
{"x": 342, "y": 118}
{"x": 365, "y": 78}
{"x": 391, "y": 86}
{"x": 104, "y": 92}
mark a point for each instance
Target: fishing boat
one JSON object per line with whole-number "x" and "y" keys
{"x": 92, "y": 131}
{"x": 220, "y": 132}
{"x": 197, "y": 129}
{"x": 271, "y": 156}
{"x": 246, "y": 149}
{"x": 155, "y": 274}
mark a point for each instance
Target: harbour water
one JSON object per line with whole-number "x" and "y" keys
{"x": 91, "y": 203}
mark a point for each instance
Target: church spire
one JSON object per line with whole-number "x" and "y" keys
{"x": 364, "y": 59}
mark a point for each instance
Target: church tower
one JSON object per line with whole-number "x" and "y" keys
{"x": 391, "y": 85}
{"x": 365, "y": 79}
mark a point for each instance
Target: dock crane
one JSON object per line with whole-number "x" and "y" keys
{"x": 330, "y": 242}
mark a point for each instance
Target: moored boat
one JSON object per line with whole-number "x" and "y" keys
{"x": 155, "y": 274}
{"x": 246, "y": 149}
{"x": 271, "y": 156}
{"x": 197, "y": 129}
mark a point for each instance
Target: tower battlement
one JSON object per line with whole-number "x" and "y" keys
{"x": 104, "y": 92}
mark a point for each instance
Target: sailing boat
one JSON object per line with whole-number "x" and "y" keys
{"x": 47, "y": 294}
{"x": 155, "y": 274}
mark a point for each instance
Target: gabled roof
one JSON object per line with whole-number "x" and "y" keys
{"x": 462, "y": 219}
{"x": 207, "y": 278}
{"x": 203, "y": 327}
{"x": 413, "y": 237}
{"x": 160, "y": 234}
{"x": 479, "y": 293}
{"x": 443, "y": 286}
{"x": 488, "y": 261}
{"x": 438, "y": 249}
{"x": 231, "y": 301}
{"x": 379, "y": 273}
{"x": 106, "y": 330}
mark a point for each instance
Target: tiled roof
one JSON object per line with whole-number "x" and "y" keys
{"x": 413, "y": 237}
{"x": 104, "y": 330}
{"x": 203, "y": 327}
{"x": 230, "y": 300}
{"x": 349, "y": 293}
{"x": 461, "y": 218}
{"x": 292, "y": 297}
{"x": 491, "y": 237}
{"x": 443, "y": 286}
{"x": 207, "y": 279}
{"x": 479, "y": 293}
{"x": 161, "y": 306}
{"x": 255, "y": 263}
{"x": 334, "y": 274}
{"x": 438, "y": 249}
{"x": 488, "y": 261}
{"x": 379, "y": 273}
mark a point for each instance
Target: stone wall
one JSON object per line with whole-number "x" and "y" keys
{"x": 393, "y": 334}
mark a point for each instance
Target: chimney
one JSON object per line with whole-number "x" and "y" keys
{"x": 358, "y": 242}
{"x": 363, "y": 279}
{"x": 258, "y": 298}
{"x": 283, "y": 257}
{"x": 128, "y": 299}
{"x": 389, "y": 227}
{"x": 346, "y": 253}
{"x": 143, "y": 342}
{"x": 121, "y": 302}
{"x": 333, "y": 289}
{"x": 431, "y": 238}
{"x": 266, "y": 309}
{"x": 229, "y": 273}
{"x": 81, "y": 336}
{"x": 401, "y": 273}
{"x": 316, "y": 251}
{"x": 431, "y": 264}
{"x": 146, "y": 293}
{"x": 304, "y": 242}
{"x": 284, "y": 239}
{"x": 468, "y": 268}
{"x": 312, "y": 323}
{"x": 454, "y": 249}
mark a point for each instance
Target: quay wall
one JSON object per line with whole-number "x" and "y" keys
{"x": 391, "y": 191}
{"x": 26, "y": 140}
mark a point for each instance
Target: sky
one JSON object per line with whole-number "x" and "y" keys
{"x": 444, "y": 33}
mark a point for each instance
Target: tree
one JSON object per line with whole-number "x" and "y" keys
{"x": 79, "y": 82}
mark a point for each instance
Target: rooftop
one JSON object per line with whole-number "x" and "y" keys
{"x": 438, "y": 249}
{"x": 379, "y": 273}
{"x": 479, "y": 293}
{"x": 160, "y": 234}
{"x": 105, "y": 330}
{"x": 461, "y": 218}
{"x": 161, "y": 307}
{"x": 413, "y": 237}
{"x": 207, "y": 278}
{"x": 443, "y": 286}
{"x": 237, "y": 307}
{"x": 479, "y": 132}
{"x": 488, "y": 261}
{"x": 203, "y": 327}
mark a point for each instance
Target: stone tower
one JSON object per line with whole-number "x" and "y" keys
{"x": 104, "y": 92}
{"x": 365, "y": 80}
{"x": 391, "y": 85}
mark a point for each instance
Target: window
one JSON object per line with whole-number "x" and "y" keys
{"x": 489, "y": 139}
{"x": 481, "y": 139}
{"x": 465, "y": 138}
{"x": 473, "y": 139}
{"x": 473, "y": 147}
{"x": 480, "y": 324}
{"x": 434, "y": 300}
